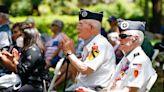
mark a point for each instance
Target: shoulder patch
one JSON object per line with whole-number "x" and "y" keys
{"x": 94, "y": 52}
{"x": 135, "y": 73}
{"x": 137, "y": 68}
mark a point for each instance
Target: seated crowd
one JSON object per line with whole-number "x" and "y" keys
{"x": 121, "y": 63}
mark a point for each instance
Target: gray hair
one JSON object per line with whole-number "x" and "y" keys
{"x": 96, "y": 24}
{"x": 58, "y": 23}
{"x": 137, "y": 33}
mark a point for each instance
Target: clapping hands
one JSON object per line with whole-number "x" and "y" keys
{"x": 67, "y": 44}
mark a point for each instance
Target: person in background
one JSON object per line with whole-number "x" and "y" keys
{"x": 31, "y": 22}
{"x": 113, "y": 34}
{"x": 44, "y": 36}
{"x": 5, "y": 35}
{"x": 103, "y": 32}
{"x": 113, "y": 37}
{"x": 98, "y": 58}
{"x": 160, "y": 45}
{"x": 30, "y": 66}
{"x": 17, "y": 36}
{"x": 113, "y": 24}
{"x": 5, "y": 32}
{"x": 148, "y": 47}
{"x": 53, "y": 52}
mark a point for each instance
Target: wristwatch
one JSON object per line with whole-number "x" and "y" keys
{"x": 69, "y": 53}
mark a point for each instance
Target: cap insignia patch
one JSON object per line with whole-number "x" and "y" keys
{"x": 124, "y": 25}
{"x": 84, "y": 13}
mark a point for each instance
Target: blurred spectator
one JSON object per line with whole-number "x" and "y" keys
{"x": 160, "y": 45}
{"x": 17, "y": 36}
{"x": 147, "y": 47}
{"x": 53, "y": 51}
{"x": 31, "y": 22}
{"x": 79, "y": 47}
{"x": 113, "y": 24}
{"x": 44, "y": 36}
{"x": 30, "y": 66}
{"x": 113, "y": 37}
{"x": 5, "y": 35}
{"x": 5, "y": 32}
{"x": 113, "y": 34}
{"x": 103, "y": 32}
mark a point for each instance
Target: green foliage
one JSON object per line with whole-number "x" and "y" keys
{"x": 64, "y": 7}
{"x": 21, "y": 7}
{"x": 43, "y": 24}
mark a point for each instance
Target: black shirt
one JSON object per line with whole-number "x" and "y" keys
{"x": 31, "y": 67}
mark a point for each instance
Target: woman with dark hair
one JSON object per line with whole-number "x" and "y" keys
{"x": 31, "y": 65}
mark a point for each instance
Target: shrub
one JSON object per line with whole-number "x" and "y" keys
{"x": 43, "y": 24}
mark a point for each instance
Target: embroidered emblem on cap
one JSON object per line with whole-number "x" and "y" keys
{"x": 84, "y": 13}
{"x": 124, "y": 25}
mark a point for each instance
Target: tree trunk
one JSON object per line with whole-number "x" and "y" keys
{"x": 157, "y": 11}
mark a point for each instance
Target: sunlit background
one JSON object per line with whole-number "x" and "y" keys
{"x": 45, "y": 11}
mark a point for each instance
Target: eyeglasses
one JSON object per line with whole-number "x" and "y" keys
{"x": 123, "y": 36}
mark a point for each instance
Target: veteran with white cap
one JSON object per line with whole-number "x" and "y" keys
{"x": 133, "y": 73}
{"x": 98, "y": 58}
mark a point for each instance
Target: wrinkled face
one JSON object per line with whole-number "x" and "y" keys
{"x": 126, "y": 42}
{"x": 84, "y": 29}
{"x": 16, "y": 33}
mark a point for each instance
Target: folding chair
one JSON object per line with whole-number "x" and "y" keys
{"x": 155, "y": 54}
{"x": 151, "y": 82}
{"x": 56, "y": 73}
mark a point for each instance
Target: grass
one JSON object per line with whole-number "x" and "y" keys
{"x": 159, "y": 84}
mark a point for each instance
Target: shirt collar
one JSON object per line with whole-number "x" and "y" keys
{"x": 133, "y": 53}
{"x": 89, "y": 40}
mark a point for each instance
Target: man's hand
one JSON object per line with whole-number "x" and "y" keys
{"x": 67, "y": 44}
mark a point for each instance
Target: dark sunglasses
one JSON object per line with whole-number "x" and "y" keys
{"x": 52, "y": 24}
{"x": 123, "y": 36}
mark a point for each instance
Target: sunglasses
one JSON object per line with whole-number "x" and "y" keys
{"x": 123, "y": 36}
{"x": 52, "y": 24}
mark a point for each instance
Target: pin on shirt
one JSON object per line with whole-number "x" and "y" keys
{"x": 136, "y": 54}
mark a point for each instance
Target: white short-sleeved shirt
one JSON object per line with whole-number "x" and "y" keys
{"x": 99, "y": 55}
{"x": 135, "y": 70}
{"x": 4, "y": 40}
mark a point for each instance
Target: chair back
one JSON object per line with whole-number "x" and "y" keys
{"x": 155, "y": 54}
{"x": 151, "y": 82}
